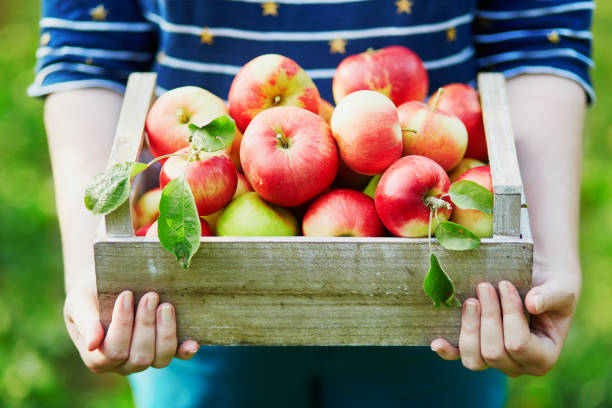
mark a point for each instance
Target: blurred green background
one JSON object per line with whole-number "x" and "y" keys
{"x": 40, "y": 368}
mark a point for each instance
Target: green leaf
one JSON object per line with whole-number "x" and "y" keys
{"x": 370, "y": 189}
{"x": 456, "y": 237}
{"x": 439, "y": 286}
{"x": 179, "y": 227}
{"x": 138, "y": 168}
{"x": 216, "y": 135}
{"x": 111, "y": 188}
{"x": 468, "y": 195}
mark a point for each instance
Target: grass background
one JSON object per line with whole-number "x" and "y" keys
{"x": 38, "y": 365}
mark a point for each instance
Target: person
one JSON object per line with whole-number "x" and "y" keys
{"x": 88, "y": 48}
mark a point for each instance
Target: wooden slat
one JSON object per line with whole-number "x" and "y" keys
{"x": 306, "y": 291}
{"x": 139, "y": 93}
{"x": 507, "y": 185}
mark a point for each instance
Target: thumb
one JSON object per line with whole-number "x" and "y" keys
{"x": 82, "y": 309}
{"x": 555, "y": 295}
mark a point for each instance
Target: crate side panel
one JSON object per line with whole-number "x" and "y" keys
{"x": 307, "y": 293}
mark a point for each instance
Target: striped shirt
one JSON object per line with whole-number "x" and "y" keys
{"x": 97, "y": 43}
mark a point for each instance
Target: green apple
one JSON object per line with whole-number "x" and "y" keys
{"x": 464, "y": 165}
{"x": 372, "y": 184}
{"x": 250, "y": 215}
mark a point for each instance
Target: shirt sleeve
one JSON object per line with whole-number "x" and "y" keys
{"x": 91, "y": 43}
{"x": 535, "y": 37}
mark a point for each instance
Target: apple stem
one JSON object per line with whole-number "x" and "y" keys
{"x": 182, "y": 115}
{"x": 281, "y": 140}
{"x": 276, "y": 99}
{"x": 435, "y": 203}
{"x": 166, "y": 156}
{"x": 429, "y": 233}
{"x": 437, "y": 98}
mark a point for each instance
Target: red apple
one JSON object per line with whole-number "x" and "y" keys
{"x": 167, "y": 123}
{"x": 464, "y": 165}
{"x": 268, "y": 81}
{"x": 146, "y": 208}
{"x": 366, "y": 127}
{"x": 243, "y": 187}
{"x": 326, "y": 110}
{"x": 211, "y": 176}
{"x": 288, "y": 155}
{"x": 407, "y": 191}
{"x": 479, "y": 223}
{"x": 463, "y": 101}
{"x": 206, "y": 230}
{"x": 394, "y": 71}
{"x": 235, "y": 149}
{"x": 342, "y": 213}
{"x": 432, "y": 133}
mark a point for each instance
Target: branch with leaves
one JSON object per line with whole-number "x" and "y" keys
{"x": 179, "y": 226}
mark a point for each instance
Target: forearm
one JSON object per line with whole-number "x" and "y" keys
{"x": 80, "y": 126}
{"x": 547, "y": 117}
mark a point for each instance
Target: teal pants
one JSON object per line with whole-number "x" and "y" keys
{"x": 305, "y": 377}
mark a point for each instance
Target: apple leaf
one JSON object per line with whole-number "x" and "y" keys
{"x": 179, "y": 226}
{"x": 111, "y": 188}
{"x": 216, "y": 135}
{"x": 468, "y": 195}
{"x": 456, "y": 237}
{"x": 370, "y": 189}
{"x": 439, "y": 286}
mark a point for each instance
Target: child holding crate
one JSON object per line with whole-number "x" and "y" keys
{"x": 88, "y": 48}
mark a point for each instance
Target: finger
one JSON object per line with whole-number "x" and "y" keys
{"x": 551, "y": 296}
{"x": 142, "y": 349}
{"x": 469, "y": 337}
{"x": 444, "y": 349}
{"x": 82, "y": 317}
{"x": 165, "y": 336}
{"x": 116, "y": 346}
{"x": 492, "y": 346}
{"x": 525, "y": 348}
{"x": 187, "y": 349}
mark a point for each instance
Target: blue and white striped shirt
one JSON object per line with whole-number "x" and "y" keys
{"x": 97, "y": 43}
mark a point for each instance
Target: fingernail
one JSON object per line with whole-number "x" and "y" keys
{"x": 483, "y": 292}
{"x": 152, "y": 303}
{"x": 537, "y": 301}
{"x": 470, "y": 308}
{"x": 166, "y": 313}
{"x": 503, "y": 287}
{"x": 435, "y": 348}
{"x": 127, "y": 300}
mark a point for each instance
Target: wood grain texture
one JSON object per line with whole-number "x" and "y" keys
{"x": 139, "y": 93}
{"x": 306, "y": 291}
{"x": 507, "y": 184}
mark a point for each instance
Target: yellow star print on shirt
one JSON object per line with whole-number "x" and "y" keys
{"x": 404, "y": 6}
{"x": 44, "y": 39}
{"x": 337, "y": 46}
{"x": 451, "y": 34}
{"x": 206, "y": 37}
{"x": 270, "y": 8}
{"x": 554, "y": 37}
{"x": 98, "y": 13}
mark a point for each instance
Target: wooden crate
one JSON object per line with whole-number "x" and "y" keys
{"x": 314, "y": 291}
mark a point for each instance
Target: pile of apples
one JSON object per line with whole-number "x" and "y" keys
{"x": 297, "y": 165}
